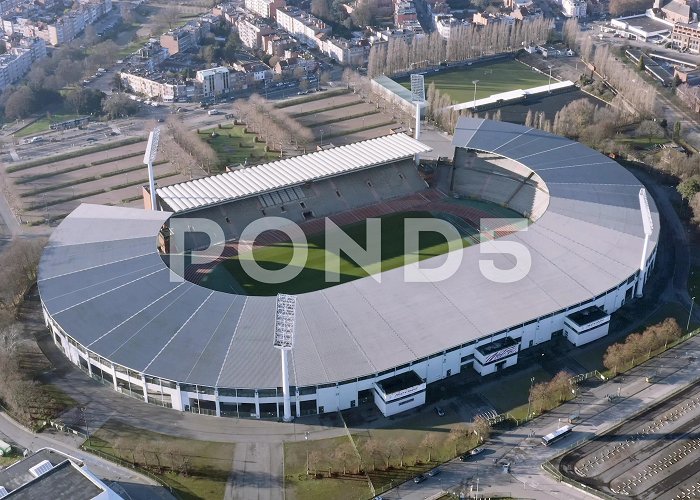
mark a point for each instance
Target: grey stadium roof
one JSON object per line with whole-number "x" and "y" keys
{"x": 250, "y": 181}
{"x": 102, "y": 279}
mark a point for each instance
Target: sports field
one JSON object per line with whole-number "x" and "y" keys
{"x": 229, "y": 276}
{"x": 494, "y": 78}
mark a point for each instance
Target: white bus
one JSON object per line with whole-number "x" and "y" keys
{"x": 557, "y": 435}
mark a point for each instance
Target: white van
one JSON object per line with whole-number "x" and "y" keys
{"x": 213, "y": 112}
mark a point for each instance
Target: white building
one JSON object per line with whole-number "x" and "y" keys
{"x": 154, "y": 86}
{"x": 586, "y": 325}
{"x": 214, "y": 81}
{"x": 264, "y": 8}
{"x": 18, "y": 60}
{"x": 574, "y": 8}
{"x": 348, "y": 52}
{"x": 399, "y": 393}
{"x": 305, "y": 27}
{"x": 445, "y": 24}
{"x": 251, "y": 31}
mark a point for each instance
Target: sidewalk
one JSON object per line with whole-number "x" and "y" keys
{"x": 136, "y": 485}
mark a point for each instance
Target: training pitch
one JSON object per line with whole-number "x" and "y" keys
{"x": 229, "y": 276}
{"x": 494, "y": 78}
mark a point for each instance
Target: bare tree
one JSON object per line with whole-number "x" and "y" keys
{"x": 429, "y": 442}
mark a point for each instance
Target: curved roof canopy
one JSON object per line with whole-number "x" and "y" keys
{"x": 103, "y": 281}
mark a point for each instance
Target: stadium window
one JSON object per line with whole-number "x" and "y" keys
{"x": 246, "y": 393}
{"x": 466, "y": 359}
{"x": 267, "y": 393}
{"x": 167, "y": 383}
{"x": 229, "y": 393}
{"x": 305, "y": 391}
{"x": 406, "y": 402}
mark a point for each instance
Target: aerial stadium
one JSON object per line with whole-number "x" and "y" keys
{"x": 207, "y": 341}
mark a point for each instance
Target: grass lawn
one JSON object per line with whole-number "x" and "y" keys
{"x": 302, "y": 487}
{"x": 196, "y": 469}
{"x": 234, "y": 145}
{"x": 312, "y": 276}
{"x": 42, "y": 125}
{"x": 514, "y": 390}
{"x": 495, "y": 78}
{"x": 7, "y": 460}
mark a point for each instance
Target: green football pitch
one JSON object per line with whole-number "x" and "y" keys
{"x": 229, "y": 276}
{"x": 494, "y": 78}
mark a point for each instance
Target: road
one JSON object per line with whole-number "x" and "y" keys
{"x": 136, "y": 486}
{"x": 522, "y": 449}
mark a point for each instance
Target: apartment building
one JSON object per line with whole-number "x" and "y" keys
{"x": 305, "y": 27}
{"x": 153, "y": 85}
{"x": 18, "y": 59}
{"x": 574, "y": 8}
{"x": 265, "y": 8}
{"x": 251, "y": 31}
{"x": 213, "y": 81}
{"x": 347, "y": 52}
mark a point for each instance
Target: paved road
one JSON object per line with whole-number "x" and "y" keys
{"x": 136, "y": 486}
{"x": 522, "y": 449}
{"x": 257, "y": 472}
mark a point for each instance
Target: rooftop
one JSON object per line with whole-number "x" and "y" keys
{"x": 400, "y": 382}
{"x": 251, "y": 181}
{"x": 587, "y": 315}
{"x": 497, "y": 345}
{"x": 102, "y": 279}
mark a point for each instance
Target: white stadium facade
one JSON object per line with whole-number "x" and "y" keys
{"x": 113, "y": 308}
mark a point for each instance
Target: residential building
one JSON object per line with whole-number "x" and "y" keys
{"x": 677, "y": 11}
{"x": 18, "y": 59}
{"x": 186, "y": 37}
{"x": 265, "y": 8}
{"x": 445, "y": 24}
{"x": 214, "y": 81}
{"x": 522, "y": 13}
{"x": 305, "y": 27}
{"x": 278, "y": 43}
{"x": 515, "y": 4}
{"x": 574, "y": 8}
{"x": 251, "y": 30}
{"x": 686, "y": 37}
{"x": 48, "y": 473}
{"x": 347, "y": 52}
{"x": 404, "y": 12}
{"x": 153, "y": 85}
{"x": 255, "y": 72}
{"x": 484, "y": 19}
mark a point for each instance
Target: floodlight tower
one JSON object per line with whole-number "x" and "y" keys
{"x": 648, "y": 229}
{"x": 418, "y": 97}
{"x": 285, "y": 320}
{"x": 148, "y": 158}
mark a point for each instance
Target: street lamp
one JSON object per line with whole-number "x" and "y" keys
{"x": 474, "y": 100}
{"x": 529, "y": 396}
{"x": 85, "y": 419}
{"x": 549, "y": 85}
{"x": 321, "y": 137}
{"x": 306, "y": 439}
{"x": 690, "y": 314}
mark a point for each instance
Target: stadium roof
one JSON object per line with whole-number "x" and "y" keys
{"x": 103, "y": 281}
{"x": 251, "y": 181}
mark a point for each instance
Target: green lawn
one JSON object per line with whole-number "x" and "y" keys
{"x": 300, "y": 486}
{"x": 235, "y": 146}
{"x": 312, "y": 277}
{"x": 42, "y": 125}
{"x": 195, "y": 469}
{"x": 495, "y": 78}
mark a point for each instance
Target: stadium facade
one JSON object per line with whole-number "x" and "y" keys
{"x": 115, "y": 310}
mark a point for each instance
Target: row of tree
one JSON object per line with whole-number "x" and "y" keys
{"x": 24, "y": 398}
{"x": 192, "y": 144}
{"x": 547, "y": 395}
{"x": 465, "y": 42}
{"x": 377, "y": 453}
{"x": 638, "y": 347}
{"x": 273, "y": 125}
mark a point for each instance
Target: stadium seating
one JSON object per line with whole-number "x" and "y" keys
{"x": 500, "y": 181}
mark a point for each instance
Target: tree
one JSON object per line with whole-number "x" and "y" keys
{"x": 170, "y": 15}
{"x": 373, "y": 449}
{"x": 119, "y": 106}
{"x": 481, "y": 428}
{"x": 457, "y": 433}
{"x": 85, "y": 101}
{"x": 343, "y": 455}
{"x": 676, "y": 131}
{"x": 689, "y": 188}
{"x": 560, "y": 386}
{"x": 695, "y": 207}
{"x": 429, "y": 442}
{"x": 539, "y": 396}
{"x": 649, "y": 129}
{"x": 640, "y": 65}
{"x": 401, "y": 446}
{"x": 21, "y": 103}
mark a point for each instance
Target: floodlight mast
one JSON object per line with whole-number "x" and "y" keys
{"x": 148, "y": 158}
{"x": 285, "y": 321}
{"x": 418, "y": 97}
{"x": 648, "y": 225}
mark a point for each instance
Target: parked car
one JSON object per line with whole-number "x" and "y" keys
{"x": 434, "y": 472}
{"x": 476, "y": 451}
{"x": 440, "y": 412}
{"x": 419, "y": 478}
